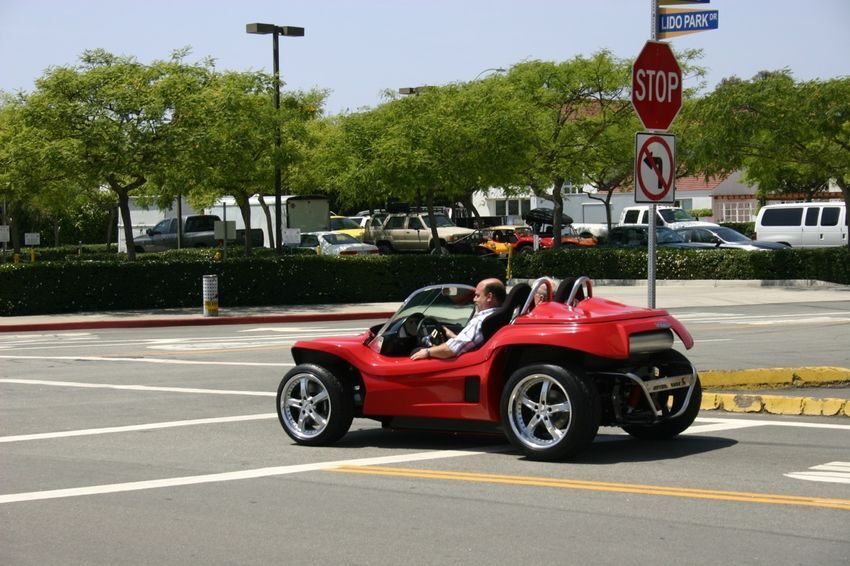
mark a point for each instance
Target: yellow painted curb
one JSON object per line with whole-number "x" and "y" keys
{"x": 774, "y": 404}
{"x": 774, "y": 377}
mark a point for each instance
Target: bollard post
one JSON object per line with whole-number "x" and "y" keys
{"x": 210, "y": 289}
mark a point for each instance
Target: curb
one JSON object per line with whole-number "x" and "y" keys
{"x": 774, "y": 378}
{"x": 775, "y": 404}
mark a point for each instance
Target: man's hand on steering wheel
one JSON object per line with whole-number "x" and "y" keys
{"x": 430, "y": 332}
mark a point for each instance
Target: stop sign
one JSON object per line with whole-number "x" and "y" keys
{"x": 656, "y": 85}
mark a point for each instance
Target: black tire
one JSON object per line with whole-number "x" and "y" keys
{"x": 384, "y": 248}
{"x": 313, "y": 406}
{"x": 558, "y": 426}
{"x": 432, "y": 248}
{"x": 676, "y": 398}
{"x": 525, "y": 249}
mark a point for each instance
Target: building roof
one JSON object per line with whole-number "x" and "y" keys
{"x": 697, "y": 183}
{"x": 733, "y": 186}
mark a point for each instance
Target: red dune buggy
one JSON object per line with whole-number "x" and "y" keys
{"x": 548, "y": 374}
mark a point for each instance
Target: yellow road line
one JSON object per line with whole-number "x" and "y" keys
{"x": 843, "y": 504}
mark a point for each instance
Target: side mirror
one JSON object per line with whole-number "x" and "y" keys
{"x": 149, "y": 231}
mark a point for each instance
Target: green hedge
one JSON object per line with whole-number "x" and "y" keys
{"x": 173, "y": 279}
{"x": 72, "y": 286}
{"x": 825, "y": 264}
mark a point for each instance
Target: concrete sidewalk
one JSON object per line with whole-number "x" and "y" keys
{"x": 768, "y": 395}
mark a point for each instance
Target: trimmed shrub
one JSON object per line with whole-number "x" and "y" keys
{"x": 176, "y": 281}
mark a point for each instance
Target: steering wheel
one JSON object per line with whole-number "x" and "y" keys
{"x": 430, "y": 332}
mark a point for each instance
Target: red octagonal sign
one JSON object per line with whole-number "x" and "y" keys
{"x": 656, "y": 85}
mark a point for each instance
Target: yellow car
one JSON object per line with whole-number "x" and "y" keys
{"x": 347, "y": 226}
{"x": 499, "y": 239}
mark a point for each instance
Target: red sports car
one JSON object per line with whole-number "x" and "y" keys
{"x": 547, "y": 376}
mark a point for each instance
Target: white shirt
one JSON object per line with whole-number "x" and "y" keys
{"x": 470, "y": 337}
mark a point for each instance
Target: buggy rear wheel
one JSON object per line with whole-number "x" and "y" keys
{"x": 672, "y": 401}
{"x": 550, "y": 412}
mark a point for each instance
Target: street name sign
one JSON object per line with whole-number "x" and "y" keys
{"x": 656, "y": 85}
{"x": 655, "y": 167}
{"x": 673, "y": 22}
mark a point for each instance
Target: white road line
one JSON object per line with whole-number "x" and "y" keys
{"x": 831, "y": 472}
{"x": 820, "y": 476}
{"x": 701, "y": 429}
{"x": 134, "y": 428}
{"x": 232, "y": 476}
{"x": 139, "y": 387}
{"x": 833, "y": 467}
{"x": 744, "y": 423}
{"x": 149, "y": 361}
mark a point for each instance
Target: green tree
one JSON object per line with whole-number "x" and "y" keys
{"x": 580, "y": 117}
{"x": 229, "y": 127}
{"x": 113, "y": 122}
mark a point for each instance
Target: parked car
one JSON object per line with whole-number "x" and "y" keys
{"x": 198, "y": 232}
{"x": 803, "y": 224}
{"x": 637, "y": 236}
{"x": 485, "y": 241}
{"x": 336, "y": 243}
{"x": 723, "y": 237}
{"x": 547, "y": 376}
{"x": 347, "y": 226}
{"x": 524, "y": 242}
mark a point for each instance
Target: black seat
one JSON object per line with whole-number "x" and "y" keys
{"x": 505, "y": 313}
{"x": 563, "y": 292}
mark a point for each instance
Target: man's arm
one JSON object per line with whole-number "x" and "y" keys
{"x": 441, "y": 351}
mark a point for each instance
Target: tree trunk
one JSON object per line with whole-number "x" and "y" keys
{"x": 269, "y": 223}
{"x": 14, "y": 225}
{"x": 243, "y": 202}
{"x": 556, "y": 212}
{"x": 109, "y": 228}
{"x": 468, "y": 204}
{"x": 124, "y": 207}
{"x": 429, "y": 200}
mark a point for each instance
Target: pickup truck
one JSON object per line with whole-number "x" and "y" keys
{"x": 669, "y": 216}
{"x": 198, "y": 232}
{"x": 411, "y": 232}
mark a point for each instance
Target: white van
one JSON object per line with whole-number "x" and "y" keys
{"x": 803, "y": 224}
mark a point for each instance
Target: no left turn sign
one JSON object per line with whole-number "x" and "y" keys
{"x": 655, "y": 165}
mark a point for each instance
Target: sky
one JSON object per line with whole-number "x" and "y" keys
{"x": 357, "y": 49}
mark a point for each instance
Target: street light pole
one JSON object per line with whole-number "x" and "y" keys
{"x": 276, "y": 31}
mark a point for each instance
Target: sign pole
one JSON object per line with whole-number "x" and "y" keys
{"x": 651, "y": 244}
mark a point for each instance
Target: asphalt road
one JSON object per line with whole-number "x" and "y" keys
{"x": 172, "y": 454}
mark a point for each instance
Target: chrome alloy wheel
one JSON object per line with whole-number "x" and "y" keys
{"x": 305, "y": 406}
{"x": 540, "y": 411}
